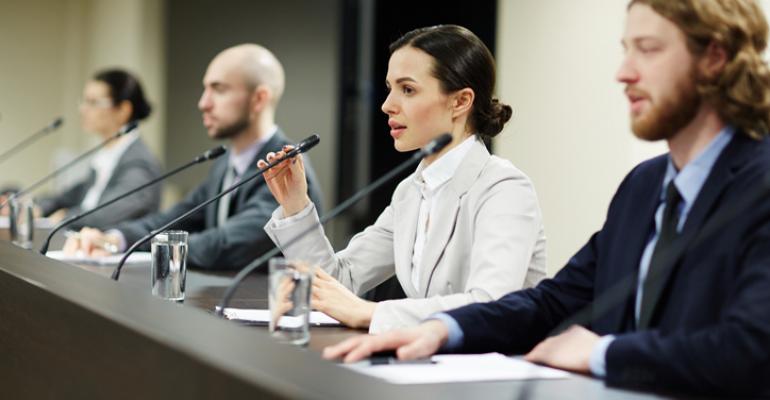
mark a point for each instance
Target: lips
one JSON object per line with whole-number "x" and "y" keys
{"x": 396, "y": 128}
{"x": 637, "y": 98}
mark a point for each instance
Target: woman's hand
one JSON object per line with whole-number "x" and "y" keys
{"x": 335, "y": 300}
{"x": 287, "y": 181}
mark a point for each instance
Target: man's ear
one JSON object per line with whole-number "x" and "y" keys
{"x": 713, "y": 61}
{"x": 462, "y": 102}
{"x": 260, "y": 98}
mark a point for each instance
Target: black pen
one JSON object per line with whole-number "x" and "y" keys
{"x": 393, "y": 360}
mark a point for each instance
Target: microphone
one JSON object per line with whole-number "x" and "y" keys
{"x": 34, "y": 137}
{"x": 208, "y": 155}
{"x": 124, "y": 130}
{"x": 431, "y": 148}
{"x": 301, "y": 147}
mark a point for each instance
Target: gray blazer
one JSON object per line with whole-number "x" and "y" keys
{"x": 136, "y": 166}
{"x": 241, "y": 239}
{"x": 485, "y": 241}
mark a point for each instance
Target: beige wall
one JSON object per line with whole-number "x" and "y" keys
{"x": 570, "y": 130}
{"x": 49, "y": 49}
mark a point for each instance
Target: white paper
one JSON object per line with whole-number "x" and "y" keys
{"x": 138, "y": 257}
{"x": 39, "y": 223}
{"x": 460, "y": 368}
{"x": 317, "y": 318}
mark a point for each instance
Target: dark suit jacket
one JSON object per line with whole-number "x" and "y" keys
{"x": 710, "y": 330}
{"x": 136, "y": 166}
{"x": 242, "y": 238}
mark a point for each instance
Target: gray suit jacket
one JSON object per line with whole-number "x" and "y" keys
{"x": 486, "y": 240}
{"x": 241, "y": 239}
{"x": 136, "y": 166}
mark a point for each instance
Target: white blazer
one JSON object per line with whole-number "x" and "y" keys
{"x": 486, "y": 239}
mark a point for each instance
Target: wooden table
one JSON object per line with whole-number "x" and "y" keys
{"x": 70, "y": 332}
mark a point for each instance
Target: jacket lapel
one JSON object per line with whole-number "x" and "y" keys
{"x": 722, "y": 173}
{"x": 444, "y": 219}
{"x": 405, "y": 214}
{"x": 637, "y": 230}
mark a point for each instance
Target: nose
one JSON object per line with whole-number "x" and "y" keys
{"x": 627, "y": 72}
{"x": 204, "y": 103}
{"x": 389, "y": 106}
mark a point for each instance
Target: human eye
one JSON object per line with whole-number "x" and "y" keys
{"x": 407, "y": 90}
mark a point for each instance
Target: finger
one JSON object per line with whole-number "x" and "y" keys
{"x": 419, "y": 348}
{"x": 339, "y": 349}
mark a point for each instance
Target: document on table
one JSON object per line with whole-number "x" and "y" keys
{"x": 39, "y": 223}
{"x": 459, "y": 368}
{"x": 139, "y": 257}
{"x": 262, "y": 317}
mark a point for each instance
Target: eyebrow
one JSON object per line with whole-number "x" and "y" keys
{"x": 401, "y": 80}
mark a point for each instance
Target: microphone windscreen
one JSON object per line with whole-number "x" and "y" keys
{"x": 56, "y": 123}
{"x": 308, "y": 143}
{"x": 130, "y": 126}
{"x": 437, "y": 144}
{"x": 211, "y": 154}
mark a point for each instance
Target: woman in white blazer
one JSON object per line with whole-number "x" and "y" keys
{"x": 465, "y": 227}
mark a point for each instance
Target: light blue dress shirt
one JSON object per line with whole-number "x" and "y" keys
{"x": 689, "y": 182}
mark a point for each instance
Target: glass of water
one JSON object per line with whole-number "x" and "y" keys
{"x": 20, "y": 220}
{"x": 289, "y": 285}
{"x": 169, "y": 265}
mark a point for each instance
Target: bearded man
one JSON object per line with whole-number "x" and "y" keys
{"x": 241, "y": 90}
{"x": 673, "y": 293}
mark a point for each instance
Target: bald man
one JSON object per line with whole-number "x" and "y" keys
{"x": 241, "y": 90}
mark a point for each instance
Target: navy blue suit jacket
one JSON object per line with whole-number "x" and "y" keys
{"x": 710, "y": 330}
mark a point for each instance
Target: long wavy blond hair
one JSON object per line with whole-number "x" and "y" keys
{"x": 741, "y": 94}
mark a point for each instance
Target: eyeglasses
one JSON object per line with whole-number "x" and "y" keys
{"x": 96, "y": 103}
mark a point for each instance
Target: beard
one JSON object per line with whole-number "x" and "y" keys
{"x": 672, "y": 113}
{"x": 233, "y": 129}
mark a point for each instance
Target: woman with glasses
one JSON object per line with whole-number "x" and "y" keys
{"x": 111, "y": 99}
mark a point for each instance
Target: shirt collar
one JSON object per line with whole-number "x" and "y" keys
{"x": 242, "y": 160}
{"x": 443, "y": 168}
{"x": 691, "y": 178}
{"x": 107, "y": 157}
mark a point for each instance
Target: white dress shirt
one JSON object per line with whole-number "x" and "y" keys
{"x": 103, "y": 163}
{"x": 431, "y": 181}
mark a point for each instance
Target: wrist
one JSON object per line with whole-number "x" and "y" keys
{"x": 364, "y": 314}
{"x": 292, "y": 208}
{"x": 438, "y": 329}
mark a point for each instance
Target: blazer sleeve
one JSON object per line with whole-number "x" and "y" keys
{"x": 240, "y": 240}
{"x": 69, "y": 198}
{"x": 127, "y": 177}
{"x": 507, "y": 225}
{"x": 136, "y": 229}
{"x": 364, "y": 264}
{"x": 728, "y": 357}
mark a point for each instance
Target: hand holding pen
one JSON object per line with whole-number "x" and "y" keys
{"x": 91, "y": 242}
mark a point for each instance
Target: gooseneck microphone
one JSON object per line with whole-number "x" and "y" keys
{"x": 208, "y": 155}
{"x": 433, "y": 147}
{"x": 301, "y": 147}
{"x": 124, "y": 130}
{"x": 32, "y": 138}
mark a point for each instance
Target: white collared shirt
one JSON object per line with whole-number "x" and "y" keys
{"x": 242, "y": 160}
{"x": 431, "y": 181}
{"x": 103, "y": 163}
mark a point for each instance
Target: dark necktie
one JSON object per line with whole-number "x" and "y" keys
{"x": 653, "y": 284}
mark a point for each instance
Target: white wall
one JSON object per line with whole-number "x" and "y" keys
{"x": 49, "y": 49}
{"x": 570, "y": 130}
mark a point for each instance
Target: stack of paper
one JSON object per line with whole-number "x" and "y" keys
{"x": 139, "y": 257}
{"x": 459, "y": 368}
{"x": 262, "y": 317}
